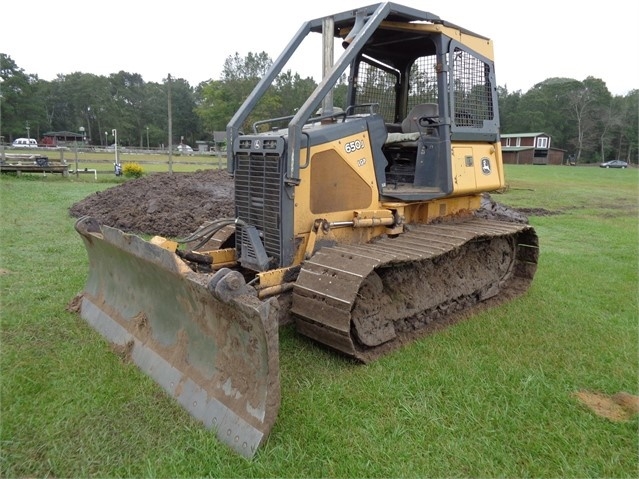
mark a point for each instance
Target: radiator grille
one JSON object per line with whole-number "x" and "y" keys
{"x": 258, "y": 192}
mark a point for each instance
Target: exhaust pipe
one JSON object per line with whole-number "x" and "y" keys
{"x": 357, "y": 27}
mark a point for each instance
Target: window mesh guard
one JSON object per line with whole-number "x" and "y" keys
{"x": 375, "y": 85}
{"x": 472, "y": 90}
{"x": 423, "y": 82}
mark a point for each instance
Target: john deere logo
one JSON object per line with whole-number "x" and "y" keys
{"x": 485, "y": 166}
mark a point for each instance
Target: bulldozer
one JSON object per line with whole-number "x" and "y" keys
{"x": 356, "y": 223}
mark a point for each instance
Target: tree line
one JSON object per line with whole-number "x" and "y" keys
{"x": 582, "y": 117}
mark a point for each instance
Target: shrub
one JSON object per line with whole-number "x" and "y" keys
{"x": 132, "y": 170}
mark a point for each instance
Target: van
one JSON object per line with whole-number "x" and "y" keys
{"x": 25, "y": 143}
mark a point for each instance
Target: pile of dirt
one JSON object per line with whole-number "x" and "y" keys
{"x": 170, "y": 205}
{"x": 174, "y": 205}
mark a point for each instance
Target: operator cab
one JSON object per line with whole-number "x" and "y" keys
{"x": 423, "y": 88}
{"x": 432, "y": 92}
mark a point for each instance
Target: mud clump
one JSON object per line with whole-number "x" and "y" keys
{"x": 75, "y": 304}
{"x": 490, "y": 209}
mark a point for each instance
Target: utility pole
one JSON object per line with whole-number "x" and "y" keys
{"x": 1, "y": 137}
{"x": 168, "y": 94}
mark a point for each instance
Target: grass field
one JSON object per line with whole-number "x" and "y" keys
{"x": 493, "y": 396}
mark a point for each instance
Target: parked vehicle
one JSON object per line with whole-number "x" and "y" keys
{"x": 184, "y": 148}
{"x": 357, "y": 225}
{"x": 614, "y": 164}
{"x": 24, "y": 143}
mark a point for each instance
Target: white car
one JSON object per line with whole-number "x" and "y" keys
{"x": 184, "y": 148}
{"x": 24, "y": 143}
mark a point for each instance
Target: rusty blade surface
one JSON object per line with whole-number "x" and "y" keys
{"x": 212, "y": 347}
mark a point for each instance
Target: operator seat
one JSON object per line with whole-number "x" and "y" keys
{"x": 421, "y": 110}
{"x": 411, "y": 129}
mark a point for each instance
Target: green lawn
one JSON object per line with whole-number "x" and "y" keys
{"x": 493, "y": 396}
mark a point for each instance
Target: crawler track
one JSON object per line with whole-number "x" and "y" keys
{"x": 366, "y": 300}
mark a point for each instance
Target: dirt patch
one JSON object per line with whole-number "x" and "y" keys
{"x": 492, "y": 209}
{"x": 537, "y": 212}
{"x": 618, "y": 407}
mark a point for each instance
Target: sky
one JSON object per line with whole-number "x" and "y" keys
{"x": 191, "y": 39}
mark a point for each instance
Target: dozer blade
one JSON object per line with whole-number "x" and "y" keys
{"x": 205, "y": 338}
